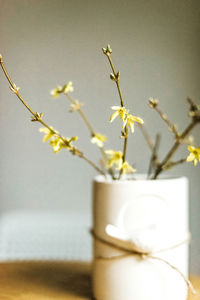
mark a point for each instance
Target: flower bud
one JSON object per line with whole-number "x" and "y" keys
{"x": 107, "y": 50}
{"x": 112, "y": 77}
{"x": 153, "y": 102}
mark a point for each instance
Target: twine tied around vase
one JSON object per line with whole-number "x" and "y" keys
{"x": 142, "y": 254}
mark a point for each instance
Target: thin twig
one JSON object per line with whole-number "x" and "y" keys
{"x": 172, "y": 164}
{"x": 194, "y": 112}
{"x": 116, "y": 79}
{"x": 194, "y": 106}
{"x": 146, "y": 136}
{"x": 172, "y": 127}
{"x": 154, "y": 154}
{"x": 73, "y": 150}
{"x": 176, "y": 145}
{"x": 83, "y": 116}
{"x": 91, "y": 130}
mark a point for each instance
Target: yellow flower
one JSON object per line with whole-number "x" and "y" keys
{"x": 120, "y": 111}
{"x": 57, "y": 144}
{"x": 48, "y": 133}
{"x": 56, "y": 92}
{"x": 129, "y": 120}
{"x": 127, "y": 169}
{"x": 194, "y": 155}
{"x": 115, "y": 158}
{"x": 75, "y": 106}
{"x": 98, "y": 139}
{"x": 68, "y": 87}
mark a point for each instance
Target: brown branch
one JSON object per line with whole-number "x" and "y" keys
{"x": 172, "y": 127}
{"x": 153, "y": 160}
{"x": 175, "y": 147}
{"x": 146, "y": 136}
{"x": 194, "y": 112}
{"x": 172, "y": 164}
{"x": 115, "y": 77}
{"x": 194, "y": 105}
{"x": 91, "y": 130}
{"x": 36, "y": 117}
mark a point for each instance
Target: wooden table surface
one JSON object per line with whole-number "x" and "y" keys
{"x": 52, "y": 280}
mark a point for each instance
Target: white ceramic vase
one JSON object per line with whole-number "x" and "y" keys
{"x": 151, "y": 216}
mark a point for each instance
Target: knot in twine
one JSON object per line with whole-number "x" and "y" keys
{"x": 142, "y": 254}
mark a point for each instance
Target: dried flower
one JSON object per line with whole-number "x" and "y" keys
{"x": 98, "y": 139}
{"x": 194, "y": 155}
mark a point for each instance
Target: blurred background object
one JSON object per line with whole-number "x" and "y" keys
{"x": 44, "y": 43}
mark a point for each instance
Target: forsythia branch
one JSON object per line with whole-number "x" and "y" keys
{"x": 153, "y": 103}
{"x": 38, "y": 117}
{"x": 115, "y": 77}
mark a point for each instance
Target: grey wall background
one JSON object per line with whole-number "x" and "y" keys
{"x": 44, "y": 43}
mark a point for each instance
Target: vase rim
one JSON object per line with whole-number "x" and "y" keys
{"x": 137, "y": 178}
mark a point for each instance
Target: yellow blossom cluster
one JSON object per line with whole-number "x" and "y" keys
{"x": 116, "y": 159}
{"x": 55, "y": 141}
{"x": 194, "y": 155}
{"x": 126, "y": 118}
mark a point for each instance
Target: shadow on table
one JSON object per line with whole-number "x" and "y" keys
{"x": 70, "y": 277}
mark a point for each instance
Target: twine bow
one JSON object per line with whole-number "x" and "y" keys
{"x": 144, "y": 255}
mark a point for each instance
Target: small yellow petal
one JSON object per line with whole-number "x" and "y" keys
{"x": 132, "y": 127}
{"x": 55, "y": 93}
{"x": 139, "y": 120}
{"x": 98, "y": 139}
{"x": 124, "y": 123}
{"x": 109, "y": 152}
{"x": 194, "y": 155}
{"x": 195, "y": 162}
{"x": 68, "y": 87}
{"x": 116, "y": 107}
{"x": 191, "y": 157}
{"x": 113, "y": 116}
{"x": 191, "y": 148}
{"x": 115, "y": 158}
